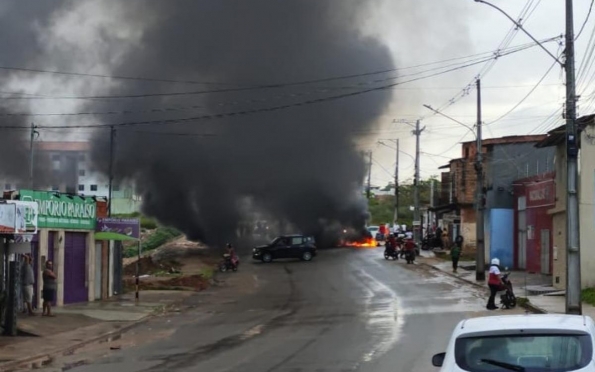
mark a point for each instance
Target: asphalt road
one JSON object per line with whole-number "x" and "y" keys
{"x": 347, "y": 310}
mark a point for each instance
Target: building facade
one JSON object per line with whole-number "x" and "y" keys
{"x": 586, "y": 195}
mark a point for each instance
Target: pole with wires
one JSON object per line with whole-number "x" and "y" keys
{"x": 573, "y": 253}
{"x": 32, "y": 154}
{"x": 112, "y": 146}
{"x": 479, "y": 202}
{"x": 369, "y": 185}
{"x": 416, "y": 215}
{"x": 396, "y": 215}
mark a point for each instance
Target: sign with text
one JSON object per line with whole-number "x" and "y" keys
{"x": 540, "y": 194}
{"x": 26, "y": 215}
{"x": 60, "y": 211}
{"x": 117, "y": 229}
{"x": 7, "y": 218}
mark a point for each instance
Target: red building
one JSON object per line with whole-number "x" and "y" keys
{"x": 533, "y": 198}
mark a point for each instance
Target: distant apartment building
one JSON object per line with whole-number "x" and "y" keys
{"x": 72, "y": 172}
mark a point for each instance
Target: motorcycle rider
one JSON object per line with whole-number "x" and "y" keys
{"x": 232, "y": 254}
{"x": 391, "y": 246}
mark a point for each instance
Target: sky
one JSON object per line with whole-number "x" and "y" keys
{"x": 479, "y": 28}
{"x": 416, "y": 32}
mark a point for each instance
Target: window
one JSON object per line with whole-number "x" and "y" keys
{"x": 55, "y": 188}
{"x": 81, "y": 187}
{"x": 81, "y": 172}
{"x": 93, "y": 187}
{"x": 538, "y": 352}
{"x": 297, "y": 240}
{"x": 7, "y": 186}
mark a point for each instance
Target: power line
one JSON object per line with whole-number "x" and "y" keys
{"x": 586, "y": 20}
{"x": 254, "y": 111}
{"x": 227, "y": 90}
{"x": 525, "y": 97}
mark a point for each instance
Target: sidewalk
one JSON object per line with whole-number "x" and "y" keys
{"x": 524, "y": 284}
{"x": 77, "y": 325}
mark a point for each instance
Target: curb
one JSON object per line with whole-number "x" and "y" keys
{"x": 527, "y": 305}
{"x": 39, "y": 360}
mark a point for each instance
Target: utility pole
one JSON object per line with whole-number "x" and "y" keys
{"x": 479, "y": 207}
{"x": 112, "y": 146}
{"x": 573, "y": 253}
{"x": 416, "y": 216}
{"x": 368, "y": 188}
{"x": 396, "y": 216}
{"x": 31, "y": 154}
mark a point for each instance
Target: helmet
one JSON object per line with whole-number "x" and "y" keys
{"x": 495, "y": 261}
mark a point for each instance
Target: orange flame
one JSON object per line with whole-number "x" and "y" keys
{"x": 366, "y": 242}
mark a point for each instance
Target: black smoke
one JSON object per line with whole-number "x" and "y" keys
{"x": 299, "y": 164}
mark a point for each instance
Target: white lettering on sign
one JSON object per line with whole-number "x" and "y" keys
{"x": 539, "y": 194}
{"x": 60, "y": 208}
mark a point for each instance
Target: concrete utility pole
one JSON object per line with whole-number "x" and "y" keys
{"x": 573, "y": 257}
{"x": 573, "y": 253}
{"x": 112, "y": 146}
{"x": 479, "y": 207}
{"x": 368, "y": 188}
{"x": 416, "y": 215}
{"x": 31, "y": 154}
{"x": 396, "y": 216}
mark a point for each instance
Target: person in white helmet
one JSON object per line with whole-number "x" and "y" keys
{"x": 494, "y": 282}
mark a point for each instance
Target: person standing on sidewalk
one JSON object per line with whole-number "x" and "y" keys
{"x": 455, "y": 254}
{"x": 27, "y": 281}
{"x": 49, "y": 288}
{"x": 494, "y": 282}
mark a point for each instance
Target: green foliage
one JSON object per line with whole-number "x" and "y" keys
{"x": 156, "y": 239}
{"x": 588, "y": 296}
{"x": 382, "y": 207}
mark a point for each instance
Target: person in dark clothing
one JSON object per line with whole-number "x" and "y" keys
{"x": 455, "y": 254}
{"x": 438, "y": 238}
{"x": 49, "y": 288}
{"x": 495, "y": 283}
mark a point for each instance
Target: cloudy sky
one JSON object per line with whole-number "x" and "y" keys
{"x": 477, "y": 28}
{"x": 72, "y": 35}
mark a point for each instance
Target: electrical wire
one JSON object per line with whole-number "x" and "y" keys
{"x": 227, "y": 90}
{"x": 525, "y": 97}
{"x": 260, "y": 110}
{"x": 585, "y": 22}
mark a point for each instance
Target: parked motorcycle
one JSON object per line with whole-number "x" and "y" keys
{"x": 428, "y": 242}
{"x": 507, "y": 299}
{"x": 227, "y": 264}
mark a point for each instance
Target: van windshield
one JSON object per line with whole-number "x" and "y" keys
{"x": 558, "y": 352}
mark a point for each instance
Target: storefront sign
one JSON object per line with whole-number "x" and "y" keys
{"x": 117, "y": 229}
{"x": 27, "y": 213}
{"x": 60, "y": 211}
{"x": 7, "y": 218}
{"x": 540, "y": 194}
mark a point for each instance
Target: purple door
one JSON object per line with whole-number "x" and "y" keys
{"x": 75, "y": 255}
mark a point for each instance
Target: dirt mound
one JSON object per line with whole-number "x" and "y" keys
{"x": 187, "y": 283}
{"x": 148, "y": 266}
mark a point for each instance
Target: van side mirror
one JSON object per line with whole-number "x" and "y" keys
{"x": 438, "y": 359}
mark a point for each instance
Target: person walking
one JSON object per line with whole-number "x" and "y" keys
{"x": 494, "y": 282}
{"x": 49, "y": 288}
{"x": 27, "y": 281}
{"x": 455, "y": 254}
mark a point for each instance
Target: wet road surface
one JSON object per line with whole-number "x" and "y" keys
{"x": 347, "y": 310}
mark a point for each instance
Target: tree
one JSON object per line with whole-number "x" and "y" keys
{"x": 381, "y": 208}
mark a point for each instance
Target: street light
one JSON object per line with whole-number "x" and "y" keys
{"x": 573, "y": 257}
